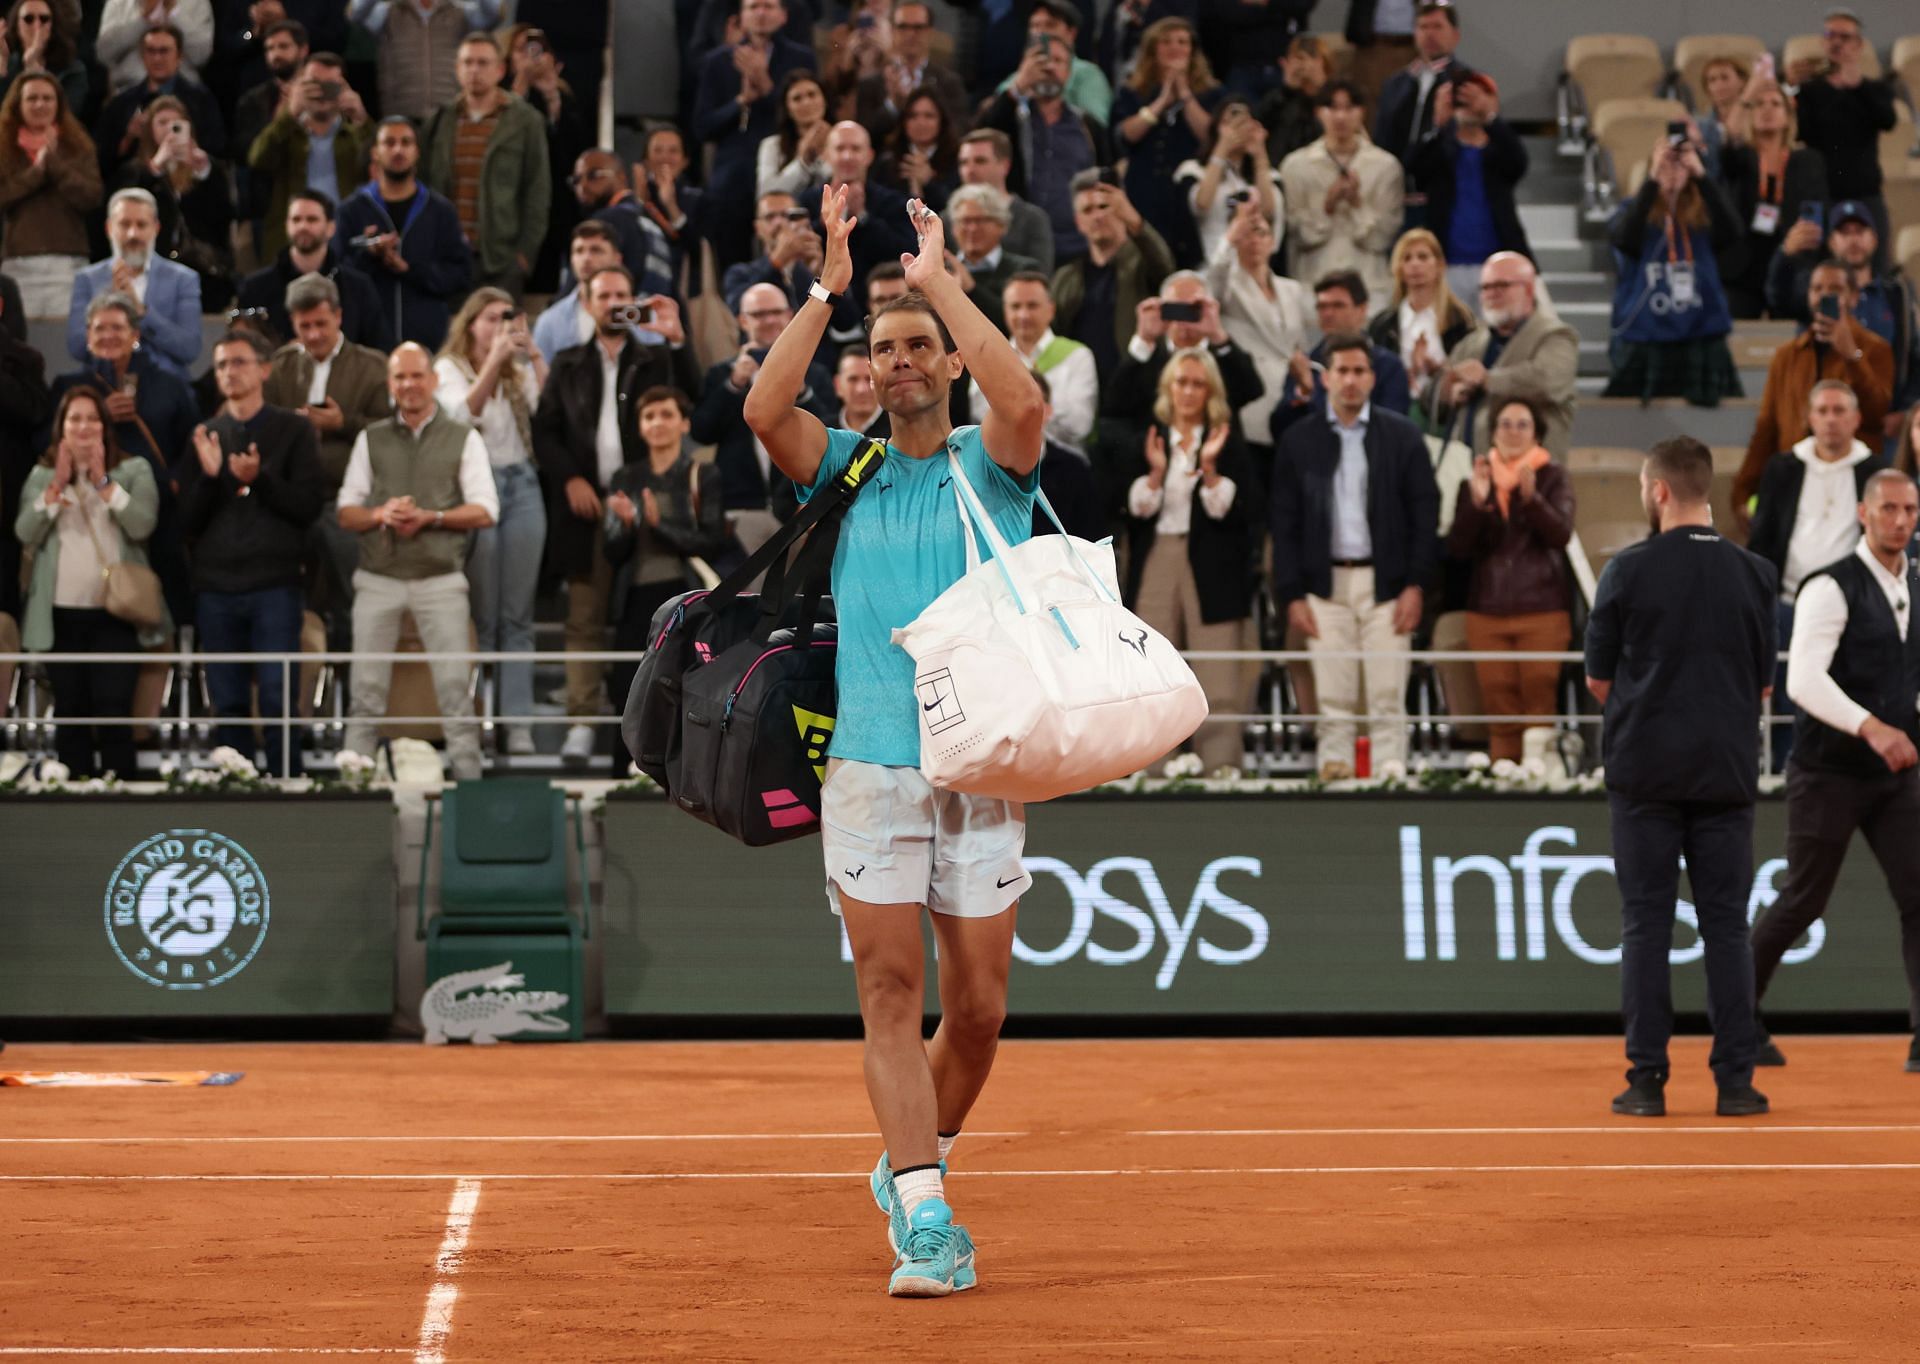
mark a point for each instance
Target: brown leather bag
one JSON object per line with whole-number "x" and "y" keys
{"x": 132, "y": 590}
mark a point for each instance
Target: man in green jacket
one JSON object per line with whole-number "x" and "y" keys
{"x": 320, "y": 110}
{"x": 487, "y": 152}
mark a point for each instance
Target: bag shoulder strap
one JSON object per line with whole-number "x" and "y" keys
{"x": 832, "y": 500}
{"x": 86, "y": 519}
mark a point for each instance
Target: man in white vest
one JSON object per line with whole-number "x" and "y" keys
{"x": 416, "y": 484}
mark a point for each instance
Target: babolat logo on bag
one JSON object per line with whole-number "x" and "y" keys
{"x": 187, "y": 909}
{"x": 816, "y": 732}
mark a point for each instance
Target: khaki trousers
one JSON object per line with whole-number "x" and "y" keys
{"x": 1170, "y": 602}
{"x": 440, "y": 611}
{"x": 1352, "y": 620}
{"x": 1377, "y": 63}
{"x": 1509, "y": 687}
{"x": 587, "y": 631}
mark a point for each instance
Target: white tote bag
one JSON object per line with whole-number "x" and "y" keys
{"x": 1033, "y": 680}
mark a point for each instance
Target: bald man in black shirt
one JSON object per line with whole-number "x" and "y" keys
{"x": 1680, "y": 651}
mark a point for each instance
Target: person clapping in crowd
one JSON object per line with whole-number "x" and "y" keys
{"x": 1671, "y": 319}
{"x": 85, "y": 508}
{"x": 1422, "y": 321}
{"x": 34, "y": 37}
{"x": 1344, "y": 195}
{"x": 49, "y": 183}
{"x": 1162, "y": 118}
{"x": 1511, "y": 522}
{"x": 249, "y": 496}
{"x": 662, "y": 511}
{"x": 1190, "y": 537}
{"x": 794, "y": 156}
{"x": 490, "y": 377}
{"x": 1065, "y": 365}
{"x": 1523, "y": 351}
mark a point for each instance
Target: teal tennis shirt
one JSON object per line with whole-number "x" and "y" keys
{"x": 900, "y": 548}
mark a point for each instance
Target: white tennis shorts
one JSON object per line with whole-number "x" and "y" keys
{"x": 891, "y": 838}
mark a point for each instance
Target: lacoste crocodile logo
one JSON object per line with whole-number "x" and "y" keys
{"x": 486, "y": 1005}
{"x": 1137, "y": 641}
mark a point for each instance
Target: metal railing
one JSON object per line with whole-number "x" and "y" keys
{"x": 1280, "y": 730}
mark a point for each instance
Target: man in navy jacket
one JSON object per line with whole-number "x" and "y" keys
{"x": 406, "y": 238}
{"x": 1355, "y": 548}
{"x": 738, "y": 106}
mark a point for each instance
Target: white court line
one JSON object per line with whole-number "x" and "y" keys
{"x": 653, "y": 1176}
{"x": 1628, "y": 1129}
{"x": 438, "y": 1318}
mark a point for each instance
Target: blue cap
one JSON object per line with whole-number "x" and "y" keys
{"x": 1851, "y": 211}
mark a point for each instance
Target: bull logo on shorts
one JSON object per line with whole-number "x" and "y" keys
{"x": 816, "y": 731}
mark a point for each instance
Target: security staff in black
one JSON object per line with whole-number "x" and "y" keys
{"x": 1680, "y": 651}
{"x": 1854, "y": 671}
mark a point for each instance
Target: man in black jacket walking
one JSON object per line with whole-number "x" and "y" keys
{"x": 1355, "y": 548}
{"x": 1854, "y": 670}
{"x": 585, "y": 428}
{"x": 255, "y": 488}
{"x": 1680, "y": 651}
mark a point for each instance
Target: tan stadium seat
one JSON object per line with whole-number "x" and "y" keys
{"x": 1814, "y": 47}
{"x": 1902, "y": 193}
{"x": 1459, "y": 681}
{"x": 1692, "y": 53}
{"x": 1610, "y": 66}
{"x": 1906, "y": 249}
{"x": 411, "y": 691}
{"x": 1896, "y": 144}
{"x": 1906, "y": 63}
{"x": 1630, "y": 129}
{"x": 1339, "y": 54}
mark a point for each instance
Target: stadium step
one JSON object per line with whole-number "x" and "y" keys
{"x": 1624, "y": 422}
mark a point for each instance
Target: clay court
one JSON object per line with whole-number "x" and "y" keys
{"x": 1164, "y": 1200}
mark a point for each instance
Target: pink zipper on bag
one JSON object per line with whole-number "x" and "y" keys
{"x": 741, "y": 686}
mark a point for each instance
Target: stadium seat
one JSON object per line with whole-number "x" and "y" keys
{"x": 1896, "y": 144}
{"x": 1906, "y": 64}
{"x": 411, "y": 691}
{"x": 1693, "y": 52}
{"x": 503, "y": 891}
{"x": 1339, "y": 54}
{"x": 1813, "y": 46}
{"x": 1459, "y": 683}
{"x": 1902, "y": 193}
{"x": 1610, "y": 66}
{"x": 1629, "y": 129}
{"x": 1907, "y": 249}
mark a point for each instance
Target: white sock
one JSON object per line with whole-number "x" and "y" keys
{"x": 917, "y": 1186}
{"x": 946, "y": 1144}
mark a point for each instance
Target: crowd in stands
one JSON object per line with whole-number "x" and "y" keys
{"x": 1280, "y": 297}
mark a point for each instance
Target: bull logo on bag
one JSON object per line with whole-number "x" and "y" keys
{"x": 1137, "y": 641}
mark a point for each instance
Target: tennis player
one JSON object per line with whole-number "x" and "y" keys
{"x": 894, "y": 845}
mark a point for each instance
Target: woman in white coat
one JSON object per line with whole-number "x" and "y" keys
{"x": 1269, "y": 316}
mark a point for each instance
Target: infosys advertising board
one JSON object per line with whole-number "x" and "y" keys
{"x": 1414, "y": 905}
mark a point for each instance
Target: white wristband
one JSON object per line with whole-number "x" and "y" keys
{"x": 820, "y": 291}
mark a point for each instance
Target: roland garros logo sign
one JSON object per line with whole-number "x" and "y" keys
{"x": 187, "y": 909}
